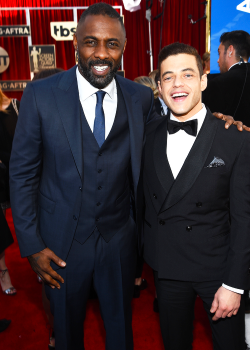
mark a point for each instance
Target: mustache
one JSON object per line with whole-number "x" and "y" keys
{"x": 104, "y": 62}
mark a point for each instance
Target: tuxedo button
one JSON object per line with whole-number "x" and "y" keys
{"x": 80, "y": 188}
{"x": 199, "y": 205}
{"x": 99, "y": 171}
{"x": 100, "y": 154}
{"x": 161, "y": 222}
{"x": 155, "y": 196}
{"x": 74, "y": 217}
{"x": 99, "y": 187}
{"x": 98, "y": 204}
{"x": 97, "y": 219}
{"x": 189, "y": 228}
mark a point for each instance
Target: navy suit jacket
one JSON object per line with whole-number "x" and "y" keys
{"x": 46, "y": 167}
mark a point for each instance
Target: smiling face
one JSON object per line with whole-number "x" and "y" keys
{"x": 181, "y": 85}
{"x": 100, "y": 42}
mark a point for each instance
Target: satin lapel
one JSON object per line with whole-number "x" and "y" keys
{"x": 67, "y": 99}
{"x": 161, "y": 163}
{"x": 136, "y": 128}
{"x": 194, "y": 162}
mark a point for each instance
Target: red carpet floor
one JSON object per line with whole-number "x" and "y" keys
{"x": 29, "y": 328}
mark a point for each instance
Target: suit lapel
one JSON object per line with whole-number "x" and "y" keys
{"x": 161, "y": 163}
{"x": 67, "y": 99}
{"x": 136, "y": 127}
{"x": 194, "y": 162}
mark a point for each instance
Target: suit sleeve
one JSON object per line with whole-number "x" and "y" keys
{"x": 25, "y": 168}
{"x": 238, "y": 262}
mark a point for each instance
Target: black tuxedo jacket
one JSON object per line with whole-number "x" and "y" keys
{"x": 225, "y": 92}
{"x": 187, "y": 232}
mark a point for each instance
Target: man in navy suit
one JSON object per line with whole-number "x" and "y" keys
{"x": 74, "y": 173}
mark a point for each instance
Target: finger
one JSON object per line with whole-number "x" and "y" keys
{"x": 229, "y": 122}
{"x": 217, "y": 315}
{"x": 239, "y": 125}
{"x": 50, "y": 281}
{"x": 57, "y": 260}
{"x": 235, "y": 311}
{"x": 246, "y": 128}
{"x": 54, "y": 275}
{"x": 218, "y": 115}
{"x": 214, "y": 305}
{"x": 230, "y": 313}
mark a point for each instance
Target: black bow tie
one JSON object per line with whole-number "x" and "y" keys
{"x": 190, "y": 127}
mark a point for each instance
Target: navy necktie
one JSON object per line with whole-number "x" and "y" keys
{"x": 99, "y": 124}
{"x": 190, "y": 127}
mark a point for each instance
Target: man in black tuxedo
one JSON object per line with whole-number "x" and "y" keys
{"x": 74, "y": 171}
{"x": 229, "y": 92}
{"x": 196, "y": 177}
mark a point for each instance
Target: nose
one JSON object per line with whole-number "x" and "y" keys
{"x": 178, "y": 81}
{"x": 101, "y": 51}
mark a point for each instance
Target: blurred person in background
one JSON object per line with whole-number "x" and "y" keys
{"x": 8, "y": 119}
{"x": 206, "y": 62}
{"x": 229, "y": 92}
{"x": 160, "y": 105}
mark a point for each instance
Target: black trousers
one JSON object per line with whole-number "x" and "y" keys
{"x": 111, "y": 266}
{"x": 176, "y": 303}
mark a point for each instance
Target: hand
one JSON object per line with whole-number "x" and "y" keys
{"x": 225, "y": 303}
{"x": 40, "y": 263}
{"x": 230, "y": 120}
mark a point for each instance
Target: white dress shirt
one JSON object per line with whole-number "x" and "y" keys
{"x": 87, "y": 95}
{"x": 178, "y": 148}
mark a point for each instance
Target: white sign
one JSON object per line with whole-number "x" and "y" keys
{"x": 244, "y": 6}
{"x": 61, "y": 31}
{"x": 4, "y": 60}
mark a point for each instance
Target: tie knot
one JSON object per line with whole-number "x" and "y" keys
{"x": 100, "y": 96}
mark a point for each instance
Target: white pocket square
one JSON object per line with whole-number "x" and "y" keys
{"x": 216, "y": 162}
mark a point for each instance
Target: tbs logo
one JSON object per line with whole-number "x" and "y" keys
{"x": 61, "y": 31}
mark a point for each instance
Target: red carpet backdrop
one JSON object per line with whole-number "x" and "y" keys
{"x": 177, "y": 27}
{"x": 29, "y": 329}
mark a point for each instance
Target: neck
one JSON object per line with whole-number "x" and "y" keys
{"x": 190, "y": 114}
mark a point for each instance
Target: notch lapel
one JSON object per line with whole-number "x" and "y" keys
{"x": 194, "y": 162}
{"x": 67, "y": 99}
{"x": 136, "y": 128}
{"x": 161, "y": 163}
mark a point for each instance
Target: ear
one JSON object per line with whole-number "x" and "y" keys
{"x": 124, "y": 47}
{"x": 75, "y": 42}
{"x": 203, "y": 82}
{"x": 159, "y": 86}
{"x": 230, "y": 50}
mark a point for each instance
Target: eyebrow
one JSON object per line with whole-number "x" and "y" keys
{"x": 95, "y": 38}
{"x": 183, "y": 70}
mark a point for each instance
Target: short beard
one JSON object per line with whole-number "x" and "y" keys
{"x": 96, "y": 81}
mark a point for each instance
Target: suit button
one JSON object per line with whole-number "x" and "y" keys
{"x": 199, "y": 205}
{"x": 161, "y": 222}
{"x": 99, "y": 187}
{"x": 74, "y": 217}
{"x": 100, "y": 154}
{"x": 189, "y": 228}
{"x": 98, "y": 204}
{"x": 155, "y": 196}
{"x": 99, "y": 171}
{"x": 97, "y": 219}
{"x": 80, "y": 188}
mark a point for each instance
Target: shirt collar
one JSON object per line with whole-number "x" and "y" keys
{"x": 86, "y": 89}
{"x": 200, "y": 116}
{"x": 234, "y": 64}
